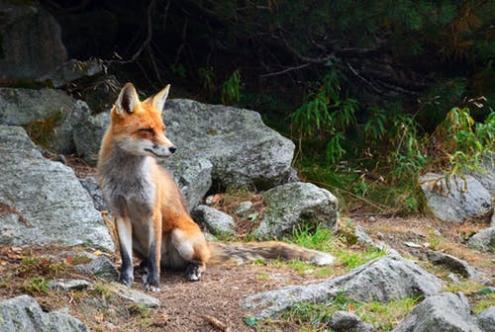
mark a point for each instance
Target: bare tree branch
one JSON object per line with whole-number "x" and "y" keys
{"x": 285, "y": 71}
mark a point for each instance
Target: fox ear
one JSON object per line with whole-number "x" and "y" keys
{"x": 160, "y": 98}
{"x": 127, "y": 100}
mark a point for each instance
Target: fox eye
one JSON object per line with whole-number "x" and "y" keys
{"x": 149, "y": 131}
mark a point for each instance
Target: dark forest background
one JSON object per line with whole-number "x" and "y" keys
{"x": 374, "y": 92}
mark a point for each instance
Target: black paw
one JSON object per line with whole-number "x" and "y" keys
{"x": 193, "y": 272}
{"x": 126, "y": 278}
{"x": 151, "y": 288}
{"x": 151, "y": 282}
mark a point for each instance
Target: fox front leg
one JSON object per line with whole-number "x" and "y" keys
{"x": 152, "y": 279}
{"x": 124, "y": 230}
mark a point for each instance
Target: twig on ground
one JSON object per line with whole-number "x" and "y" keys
{"x": 217, "y": 324}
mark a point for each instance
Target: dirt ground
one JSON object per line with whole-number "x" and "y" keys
{"x": 207, "y": 305}
{"x": 218, "y": 295}
{"x": 214, "y": 303}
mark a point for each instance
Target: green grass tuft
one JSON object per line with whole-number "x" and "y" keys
{"x": 383, "y": 316}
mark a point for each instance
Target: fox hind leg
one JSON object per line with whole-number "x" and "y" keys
{"x": 189, "y": 255}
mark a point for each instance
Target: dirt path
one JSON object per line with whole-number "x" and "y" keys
{"x": 218, "y": 295}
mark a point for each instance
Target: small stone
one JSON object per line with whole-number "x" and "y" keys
{"x": 210, "y": 200}
{"x": 343, "y": 321}
{"x": 253, "y": 216}
{"x": 101, "y": 267}
{"x": 455, "y": 264}
{"x": 217, "y": 222}
{"x": 372, "y": 219}
{"x": 454, "y": 278}
{"x": 243, "y": 207}
{"x": 134, "y": 295}
{"x": 412, "y": 245}
{"x": 69, "y": 284}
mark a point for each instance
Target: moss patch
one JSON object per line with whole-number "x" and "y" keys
{"x": 42, "y": 131}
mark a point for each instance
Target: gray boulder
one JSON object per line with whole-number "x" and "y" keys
{"x": 456, "y": 199}
{"x": 31, "y": 41}
{"x": 193, "y": 178}
{"x": 41, "y": 201}
{"x": 241, "y": 149}
{"x": 486, "y": 176}
{"x": 455, "y": 264}
{"x": 24, "y": 314}
{"x": 88, "y": 134}
{"x": 385, "y": 279}
{"x": 217, "y": 222}
{"x": 486, "y": 320}
{"x": 49, "y": 115}
{"x": 295, "y": 203}
{"x": 484, "y": 240}
{"x": 446, "y": 312}
{"x": 90, "y": 183}
{"x": 344, "y": 321}
{"x": 72, "y": 70}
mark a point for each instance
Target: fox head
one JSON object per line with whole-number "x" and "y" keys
{"x": 137, "y": 127}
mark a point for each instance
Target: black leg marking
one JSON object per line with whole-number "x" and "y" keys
{"x": 193, "y": 272}
{"x": 126, "y": 270}
{"x": 142, "y": 268}
{"x": 152, "y": 279}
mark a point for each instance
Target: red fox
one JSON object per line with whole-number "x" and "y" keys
{"x": 149, "y": 210}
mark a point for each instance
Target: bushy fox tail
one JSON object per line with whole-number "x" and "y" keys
{"x": 241, "y": 253}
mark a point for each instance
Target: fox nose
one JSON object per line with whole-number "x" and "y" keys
{"x": 172, "y": 149}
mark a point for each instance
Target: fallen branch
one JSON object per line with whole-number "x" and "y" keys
{"x": 217, "y": 324}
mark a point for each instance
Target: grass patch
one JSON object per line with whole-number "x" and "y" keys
{"x": 262, "y": 276}
{"x": 140, "y": 310}
{"x": 321, "y": 238}
{"x": 467, "y": 287}
{"x": 352, "y": 259}
{"x": 435, "y": 240}
{"x": 102, "y": 290}
{"x": 31, "y": 265}
{"x": 35, "y": 286}
{"x": 483, "y": 303}
{"x": 351, "y": 185}
{"x": 383, "y": 316}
